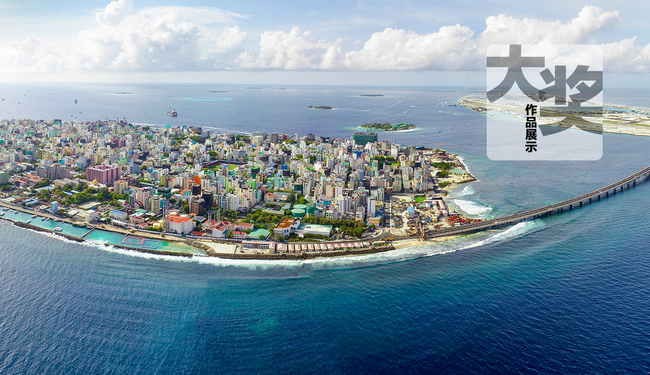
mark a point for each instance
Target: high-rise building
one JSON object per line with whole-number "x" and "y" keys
{"x": 104, "y": 174}
{"x": 120, "y": 186}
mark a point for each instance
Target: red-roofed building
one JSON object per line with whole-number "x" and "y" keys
{"x": 180, "y": 224}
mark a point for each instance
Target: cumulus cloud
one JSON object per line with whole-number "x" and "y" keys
{"x": 395, "y": 49}
{"x": 626, "y": 56}
{"x": 450, "y": 48}
{"x": 170, "y": 38}
{"x": 162, "y": 43}
{"x": 293, "y": 50}
{"x": 178, "y": 38}
{"x": 229, "y": 39}
{"x": 504, "y": 29}
{"x": 31, "y": 54}
{"x": 114, "y": 12}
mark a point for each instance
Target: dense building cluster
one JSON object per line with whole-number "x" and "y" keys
{"x": 191, "y": 181}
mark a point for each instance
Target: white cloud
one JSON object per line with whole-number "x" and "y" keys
{"x": 154, "y": 39}
{"x": 504, "y": 29}
{"x": 31, "y": 54}
{"x": 395, "y": 49}
{"x": 178, "y": 38}
{"x": 627, "y": 57}
{"x": 114, "y": 12}
{"x": 229, "y": 39}
{"x": 161, "y": 43}
{"x": 293, "y": 50}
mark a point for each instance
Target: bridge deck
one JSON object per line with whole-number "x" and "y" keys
{"x": 542, "y": 211}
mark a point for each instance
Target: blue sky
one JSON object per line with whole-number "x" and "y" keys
{"x": 292, "y": 42}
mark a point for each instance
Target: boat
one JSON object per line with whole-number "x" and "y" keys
{"x": 75, "y": 101}
{"x": 58, "y": 229}
{"x": 34, "y": 216}
{"x": 172, "y": 113}
{"x": 28, "y": 221}
{"x": 43, "y": 219}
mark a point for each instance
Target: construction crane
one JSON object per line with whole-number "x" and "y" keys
{"x": 450, "y": 144}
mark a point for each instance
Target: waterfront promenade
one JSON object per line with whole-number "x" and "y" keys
{"x": 556, "y": 208}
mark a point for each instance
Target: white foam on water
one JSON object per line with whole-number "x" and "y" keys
{"x": 465, "y": 164}
{"x": 514, "y": 231}
{"x": 343, "y": 262}
{"x": 472, "y": 208}
{"x": 427, "y": 250}
{"x": 468, "y": 190}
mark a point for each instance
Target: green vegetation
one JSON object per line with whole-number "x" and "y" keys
{"x": 261, "y": 217}
{"x": 197, "y": 139}
{"x": 444, "y": 184}
{"x": 444, "y": 168}
{"x": 41, "y": 184}
{"x": 348, "y": 227}
{"x": 383, "y": 160}
{"x": 388, "y": 127}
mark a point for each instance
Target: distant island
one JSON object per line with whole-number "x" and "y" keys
{"x": 389, "y": 127}
{"x": 615, "y": 118}
{"x": 320, "y": 107}
{"x": 372, "y": 95}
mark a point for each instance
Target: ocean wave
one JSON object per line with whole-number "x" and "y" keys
{"x": 464, "y": 164}
{"x": 514, "y": 231}
{"x": 301, "y": 268}
{"x": 472, "y": 208}
{"x": 468, "y": 190}
{"x": 426, "y": 250}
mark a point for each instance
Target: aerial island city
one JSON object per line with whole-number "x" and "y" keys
{"x": 230, "y": 195}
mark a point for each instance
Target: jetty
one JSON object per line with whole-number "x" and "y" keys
{"x": 569, "y": 204}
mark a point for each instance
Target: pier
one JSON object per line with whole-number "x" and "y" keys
{"x": 552, "y": 209}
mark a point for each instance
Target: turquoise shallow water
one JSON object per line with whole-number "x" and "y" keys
{"x": 68, "y": 229}
{"x": 98, "y": 235}
{"x": 117, "y": 238}
{"x": 565, "y": 294}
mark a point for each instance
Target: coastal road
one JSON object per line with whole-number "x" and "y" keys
{"x": 568, "y": 204}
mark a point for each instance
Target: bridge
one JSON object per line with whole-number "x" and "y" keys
{"x": 552, "y": 209}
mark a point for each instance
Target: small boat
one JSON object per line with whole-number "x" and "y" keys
{"x": 43, "y": 219}
{"x": 28, "y": 221}
{"x": 75, "y": 101}
{"x": 172, "y": 113}
{"x": 58, "y": 229}
{"x": 34, "y": 216}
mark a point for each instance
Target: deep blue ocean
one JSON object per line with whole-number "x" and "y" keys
{"x": 569, "y": 294}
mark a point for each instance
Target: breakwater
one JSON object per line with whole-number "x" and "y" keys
{"x": 296, "y": 256}
{"x": 77, "y": 239}
{"x": 212, "y": 253}
{"x": 39, "y": 229}
{"x": 152, "y": 251}
{"x": 569, "y": 204}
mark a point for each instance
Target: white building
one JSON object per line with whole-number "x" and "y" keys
{"x": 180, "y": 224}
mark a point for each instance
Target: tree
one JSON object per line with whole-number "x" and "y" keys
{"x": 103, "y": 194}
{"x": 291, "y": 198}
